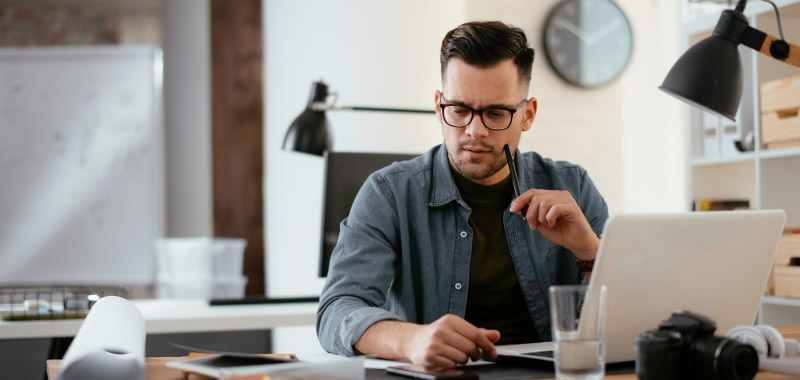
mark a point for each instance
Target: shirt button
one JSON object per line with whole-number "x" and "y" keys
{"x": 458, "y": 286}
{"x": 463, "y": 234}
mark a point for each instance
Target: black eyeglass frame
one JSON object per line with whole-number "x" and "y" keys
{"x": 480, "y": 112}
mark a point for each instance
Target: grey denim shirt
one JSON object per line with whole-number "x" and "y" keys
{"x": 404, "y": 251}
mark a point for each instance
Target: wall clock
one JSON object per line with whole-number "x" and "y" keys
{"x": 588, "y": 42}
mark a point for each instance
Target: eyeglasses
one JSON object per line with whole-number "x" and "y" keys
{"x": 494, "y": 118}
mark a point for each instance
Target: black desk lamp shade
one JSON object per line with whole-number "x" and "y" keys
{"x": 709, "y": 74}
{"x": 310, "y": 131}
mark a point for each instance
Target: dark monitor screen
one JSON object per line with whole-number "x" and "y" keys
{"x": 345, "y": 173}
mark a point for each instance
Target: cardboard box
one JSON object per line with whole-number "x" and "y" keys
{"x": 787, "y": 281}
{"x": 785, "y": 276}
{"x": 780, "y": 112}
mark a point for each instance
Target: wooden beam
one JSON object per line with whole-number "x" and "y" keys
{"x": 794, "y": 51}
{"x": 237, "y": 118}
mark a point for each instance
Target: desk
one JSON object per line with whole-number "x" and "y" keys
{"x": 180, "y": 316}
{"x": 156, "y": 369}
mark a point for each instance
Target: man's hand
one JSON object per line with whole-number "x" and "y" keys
{"x": 448, "y": 341}
{"x": 559, "y": 219}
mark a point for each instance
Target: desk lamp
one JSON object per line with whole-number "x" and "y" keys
{"x": 709, "y": 75}
{"x": 309, "y": 132}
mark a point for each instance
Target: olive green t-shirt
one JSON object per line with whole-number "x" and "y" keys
{"x": 494, "y": 298}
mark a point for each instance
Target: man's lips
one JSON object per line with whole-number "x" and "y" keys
{"x": 474, "y": 153}
{"x": 475, "y": 150}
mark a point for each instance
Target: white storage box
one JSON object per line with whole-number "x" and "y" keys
{"x": 200, "y": 257}
{"x": 200, "y": 267}
{"x": 200, "y": 287}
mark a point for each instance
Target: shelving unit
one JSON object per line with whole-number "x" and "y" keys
{"x": 779, "y": 311}
{"x": 769, "y": 179}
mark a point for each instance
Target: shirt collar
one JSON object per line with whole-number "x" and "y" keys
{"x": 444, "y": 188}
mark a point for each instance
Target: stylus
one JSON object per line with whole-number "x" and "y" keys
{"x": 514, "y": 180}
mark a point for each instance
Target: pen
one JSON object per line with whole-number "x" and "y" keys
{"x": 514, "y": 180}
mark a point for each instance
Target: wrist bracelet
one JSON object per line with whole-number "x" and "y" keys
{"x": 586, "y": 265}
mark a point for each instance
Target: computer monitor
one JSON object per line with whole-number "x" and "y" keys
{"x": 345, "y": 173}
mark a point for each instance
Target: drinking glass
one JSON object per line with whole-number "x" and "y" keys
{"x": 578, "y": 322}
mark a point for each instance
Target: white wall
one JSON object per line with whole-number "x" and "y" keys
{"x": 187, "y": 116}
{"x": 653, "y": 132}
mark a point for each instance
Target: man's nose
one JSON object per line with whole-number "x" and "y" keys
{"x": 476, "y": 128}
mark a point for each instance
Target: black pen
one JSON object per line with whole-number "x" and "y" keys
{"x": 514, "y": 180}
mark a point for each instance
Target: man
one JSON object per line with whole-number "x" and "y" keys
{"x": 435, "y": 264}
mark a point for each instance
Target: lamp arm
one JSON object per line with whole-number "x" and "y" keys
{"x": 771, "y": 46}
{"x": 319, "y": 106}
{"x": 376, "y": 109}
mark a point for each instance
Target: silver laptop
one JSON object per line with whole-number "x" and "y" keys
{"x": 712, "y": 263}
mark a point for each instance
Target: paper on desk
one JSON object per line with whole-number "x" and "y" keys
{"x": 322, "y": 367}
{"x": 109, "y": 344}
{"x": 383, "y": 364}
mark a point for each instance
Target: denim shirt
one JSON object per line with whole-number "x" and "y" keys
{"x": 404, "y": 251}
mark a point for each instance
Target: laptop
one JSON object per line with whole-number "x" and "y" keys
{"x": 713, "y": 263}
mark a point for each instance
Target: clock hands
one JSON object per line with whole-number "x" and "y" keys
{"x": 572, "y": 28}
{"x": 604, "y": 31}
{"x": 594, "y": 36}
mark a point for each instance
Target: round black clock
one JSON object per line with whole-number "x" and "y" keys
{"x": 588, "y": 42}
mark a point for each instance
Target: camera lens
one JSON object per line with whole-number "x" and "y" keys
{"x": 723, "y": 359}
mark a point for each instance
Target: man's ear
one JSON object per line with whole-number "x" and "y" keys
{"x": 437, "y": 98}
{"x": 529, "y": 113}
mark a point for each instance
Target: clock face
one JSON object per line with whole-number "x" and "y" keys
{"x": 588, "y": 42}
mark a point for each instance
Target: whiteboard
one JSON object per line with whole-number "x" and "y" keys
{"x": 81, "y": 164}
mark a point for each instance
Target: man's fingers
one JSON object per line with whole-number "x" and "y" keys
{"x": 533, "y": 214}
{"x": 451, "y": 354}
{"x": 524, "y": 199}
{"x": 521, "y": 201}
{"x": 544, "y": 207}
{"x": 438, "y": 361}
{"x": 477, "y": 336}
{"x": 462, "y": 343}
{"x": 555, "y": 212}
{"x": 492, "y": 335}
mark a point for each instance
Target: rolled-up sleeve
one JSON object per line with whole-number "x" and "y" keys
{"x": 363, "y": 266}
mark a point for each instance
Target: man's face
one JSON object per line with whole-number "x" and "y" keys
{"x": 476, "y": 151}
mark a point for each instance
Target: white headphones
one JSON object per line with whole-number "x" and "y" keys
{"x": 770, "y": 345}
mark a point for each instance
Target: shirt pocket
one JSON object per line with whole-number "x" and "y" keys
{"x": 552, "y": 256}
{"x": 561, "y": 266}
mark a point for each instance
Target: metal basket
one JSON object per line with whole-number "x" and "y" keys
{"x": 24, "y": 303}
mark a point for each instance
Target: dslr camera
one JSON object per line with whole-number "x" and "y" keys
{"x": 684, "y": 347}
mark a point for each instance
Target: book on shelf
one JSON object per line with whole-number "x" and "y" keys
{"x": 720, "y": 204}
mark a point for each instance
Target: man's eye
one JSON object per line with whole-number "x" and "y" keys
{"x": 496, "y": 114}
{"x": 460, "y": 111}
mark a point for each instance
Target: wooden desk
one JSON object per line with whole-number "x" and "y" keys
{"x": 157, "y": 370}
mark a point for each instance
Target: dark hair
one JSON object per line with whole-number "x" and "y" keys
{"x": 485, "y": 44}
